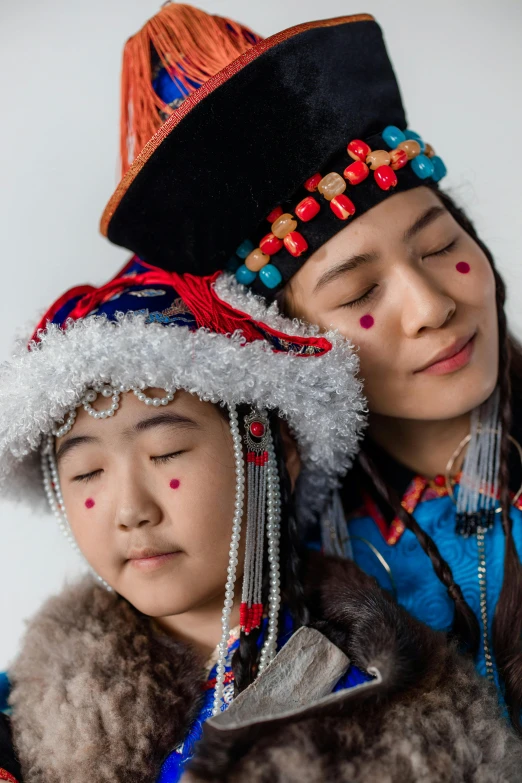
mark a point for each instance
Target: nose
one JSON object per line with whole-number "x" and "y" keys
{"x": 136, "y": 506}
{"x": 424, "y": 304}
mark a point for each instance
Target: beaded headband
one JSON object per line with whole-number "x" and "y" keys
{"x": 406, "y": 147}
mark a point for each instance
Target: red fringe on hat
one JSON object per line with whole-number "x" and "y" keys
{"x": 192, "y": 45}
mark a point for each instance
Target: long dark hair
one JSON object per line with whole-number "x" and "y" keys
{"x": 507, "y": 623}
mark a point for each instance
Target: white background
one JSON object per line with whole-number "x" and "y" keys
{"x": 459, "y": 63}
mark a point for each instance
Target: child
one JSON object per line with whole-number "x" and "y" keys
{"x": 153, "y": 410}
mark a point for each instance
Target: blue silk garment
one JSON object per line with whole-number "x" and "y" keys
{"x": 396, "y": 559}
{"x": 175, "y": 763}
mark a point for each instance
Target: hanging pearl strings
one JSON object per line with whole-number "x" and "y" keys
{"x": 232, "y": 561}
{"x": 273, "y": 535}
{"x": 270, "y": 495}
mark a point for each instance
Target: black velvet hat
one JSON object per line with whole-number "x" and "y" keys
{"x": 306, "y": 130}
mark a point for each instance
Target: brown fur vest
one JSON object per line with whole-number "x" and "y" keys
{"x": 98, "y": 696}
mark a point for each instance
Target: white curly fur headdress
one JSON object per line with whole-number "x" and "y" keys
{"x": 149, "y": 328}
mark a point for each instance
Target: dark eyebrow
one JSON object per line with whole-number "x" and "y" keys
{"x": 165, "y": 419}
{"x": 424, "y": 220}
{"x": 346, "y": 266}
{"x": 161, "y": 420}
{"x": 71, "y": 444}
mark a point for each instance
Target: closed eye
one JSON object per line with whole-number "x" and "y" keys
{"x": 86, "y": 477}
{"x": 362, "y": 299}
{"x": 164, "y": 458}
{"x": 445, "y": 250}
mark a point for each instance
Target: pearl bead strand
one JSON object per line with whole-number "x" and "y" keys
{"x": 232, "y": 560}
{"x": 273, "y": 535}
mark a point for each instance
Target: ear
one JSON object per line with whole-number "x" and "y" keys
{"x": 292, "y": 458}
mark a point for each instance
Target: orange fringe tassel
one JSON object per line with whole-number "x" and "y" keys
{"x": 192, "y": 46}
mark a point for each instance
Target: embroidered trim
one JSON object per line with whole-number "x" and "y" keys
{"x": 5, "y": 775}
{"x": 419, "y": 490}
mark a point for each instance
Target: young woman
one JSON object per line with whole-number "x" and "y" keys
{"x": 152, "y": 409}
{"x": 360, "y": 237}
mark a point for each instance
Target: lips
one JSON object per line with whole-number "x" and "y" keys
{"x": 452, "y": 358}
{"x": 148, "y": 553}
{"x": 149, "y": 559}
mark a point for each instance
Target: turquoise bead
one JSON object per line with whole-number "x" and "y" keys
{"x": 245, "y": 276}
{"x": 392, "y": 136}
{"x": 245, "y": 248}
{"x": 439, "y": 169}
{"x": 270, "y": 276}
{"x": 422, "y": 166}
{"x": 415, "y": 136}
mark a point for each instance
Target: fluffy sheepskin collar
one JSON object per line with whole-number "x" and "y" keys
{"x": 99, "y": 695}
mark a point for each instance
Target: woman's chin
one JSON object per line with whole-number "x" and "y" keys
{"x": 439, "y": 397}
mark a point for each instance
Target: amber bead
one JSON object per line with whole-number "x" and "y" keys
{"x": 295, "y": 243}
{"x": 411, "y": 147}
{"x": 256, "y": 260}
{"x": 399, "y": 159}
{"x": 274, "y": 214}
{"x": 429, "y": 151}
{"x": 307, "y": 209}
{"x": 271, "y": 244}
{"x": 356, "y": 172}
{"x": 342, "y": 207}
{"x": 358, "y": 150}
{"x": 378, "y": 158}
{"x": 385, "y": 177}
{"x": 312, "y": 182}
{"x": 332, "y": 185}
{"x": 283, "y": 225}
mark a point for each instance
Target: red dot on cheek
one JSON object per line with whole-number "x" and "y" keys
{"x": 89, "y": 503}
{"x": 463, "y": 267}
{"x": 174, "y": 484}
{"x": 367, "y": 321}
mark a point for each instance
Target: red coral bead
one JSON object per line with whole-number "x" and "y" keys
{"x": 342, "y": 206}
{"x": 295, "y": 243}
{"x": 358, "y": 150}
{"x": 257, "y": 429}
{"x": 270, "y": 244}
{"x": 385, "y": 177}
{"x": 274, "y": 214}
{"x": 312, "y": 182}
{"x": 356, "y": 172}
{"x": 439, "y": 480}
{"x": 307, "y": 209}
{"x": 399, "y": 159}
